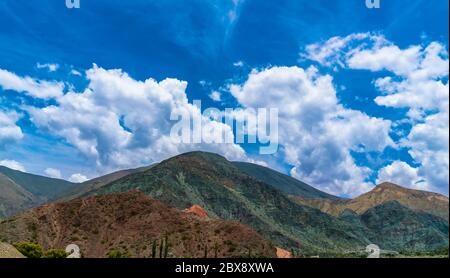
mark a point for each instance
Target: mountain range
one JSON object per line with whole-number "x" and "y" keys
{"x": 418, "y": 200}
{"x": 278, "y": 209}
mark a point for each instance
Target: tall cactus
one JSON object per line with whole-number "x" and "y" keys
{"x": 166, "y": 247}
{"x": 216, "y": 250}
{"x": 154, "y": 249}
{"x": 206, "y": 251}
{"x": 161, "y": 246}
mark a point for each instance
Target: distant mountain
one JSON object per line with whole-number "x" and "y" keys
{"x": 20, "y": 191}
{"x": 136, "y": 224}
{"x": 96, "y": 183}
{"x": 226, "y": 192}
{"x": 13, "y": 197}
{"x": 282, "y": 182}
{"x": 395, "y": 227}
{"x": 417, "y": 200}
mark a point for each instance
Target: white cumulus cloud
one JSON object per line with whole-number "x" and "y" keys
{"x": 403, "y": 174}
{"x": 120, "y": 122}
{"x": 78, "y": 178}
{"x": 53, "y": 173}
{"x": 317, "y": 133}
{"x": 9, "y": 130}
{"x": 48, "y": 66}
{"x": 216, "y": 96}
{"x": 75, "y": 72}
{"x": 12, "y": 164}
{"x": 36, "y": 88}
{"x": 416, "y": 79}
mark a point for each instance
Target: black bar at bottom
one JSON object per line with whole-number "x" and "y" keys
{"x": 211, "y": 267}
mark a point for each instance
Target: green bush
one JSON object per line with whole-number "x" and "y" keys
{"x": 55, "y": 254}
{"x": 29, "y": 250}
{"x": 117, "y": 254}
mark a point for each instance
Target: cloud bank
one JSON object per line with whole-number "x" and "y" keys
{"x": 417, "y": 80}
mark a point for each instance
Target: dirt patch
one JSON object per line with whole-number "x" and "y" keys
{"x": 8, "y": 251}
{"x": 283, "y": 254}
{"x": 197, "y": 210}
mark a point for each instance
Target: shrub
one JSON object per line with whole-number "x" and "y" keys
{"x": 55, "y": 254}
{"x": 117, "y": 254}
{"x": 29, "y": 250}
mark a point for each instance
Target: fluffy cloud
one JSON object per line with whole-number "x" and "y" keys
{"x": 120, "y": 122}
{"x": 33, "y": 87}
{"x": 53, "y": 173}
{"x": 9, "y": 131}
{"x": 12, "y": 164}
{"x": 401, "y": 173}
{"x": 417, "y": 80}
{"x": 428, "y": 144}
{"x": 335, "y": 50}
{"x": 421, "y": 85}
{"x": 49, "y": 67}
{"x": 78, "y": 178}
{"x": 75, "y": 72}
{"x": 317, "y": 133}
{"x": 215, "y": 95}
{"x": 389, "y": 57}
{"x": 238, "y": 64}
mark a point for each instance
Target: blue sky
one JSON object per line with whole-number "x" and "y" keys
{"x": 213, "y": 45}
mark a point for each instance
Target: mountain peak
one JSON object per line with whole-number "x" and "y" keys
{"x": 430, "y": 202}
{"x": 389, "y": 185}
{"x": 199, "y": 155}
{"x": 418, "y": 200}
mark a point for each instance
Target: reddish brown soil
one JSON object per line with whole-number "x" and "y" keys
{"x": 132, "y": 222}
{"x": 197, "y": 210}
{"x": 283, "y": 254}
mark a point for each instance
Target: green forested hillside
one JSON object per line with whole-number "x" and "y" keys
{"x": 282, "y": 182}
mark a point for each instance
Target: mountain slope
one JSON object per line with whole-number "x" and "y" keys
{"x": 20, "y": 191}
{"x": 282, "y": 182}
{"x": 13, "y": 197}
{"x": 397, "y": 227}
{"x": 429, "y": 202}
{"x": 97, "y": 183}
{"x": 39, "y": 186}
{"x": 8, "y": 251}
{"x": 225, "y": 192}
{"x": 131, "y": 222}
